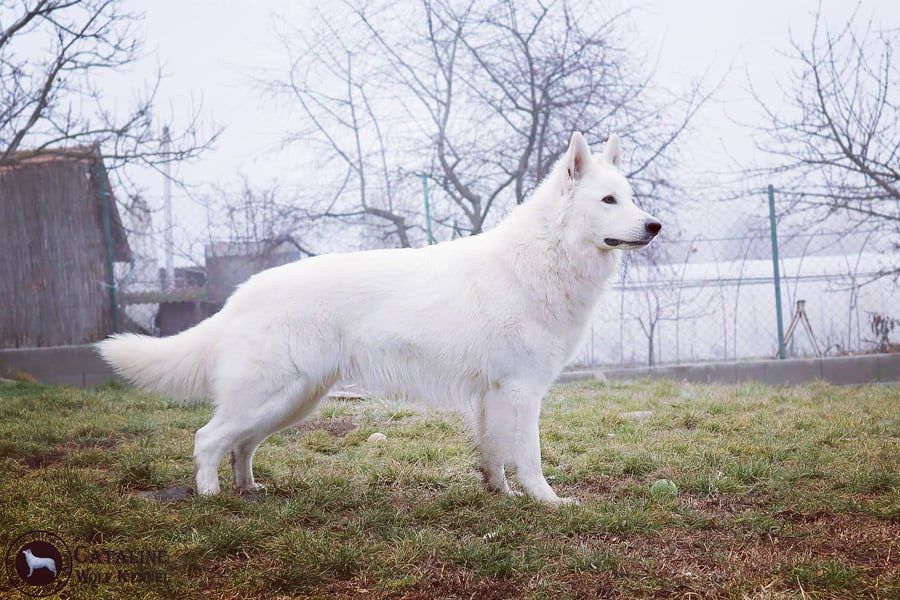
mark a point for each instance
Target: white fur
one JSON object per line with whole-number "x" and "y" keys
{"x": 36, "y": 562}
{"x": 482, "y": 324}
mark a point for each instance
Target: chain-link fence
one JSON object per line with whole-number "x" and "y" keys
{"x": 699, "y": 297}
{"x": 709, "y": 309}
{"x": 714, "y": 297}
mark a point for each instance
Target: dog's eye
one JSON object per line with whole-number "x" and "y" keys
{"x": 609, "y": 200}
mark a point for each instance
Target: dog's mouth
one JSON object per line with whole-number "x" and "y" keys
{"x": 626, "y": 243}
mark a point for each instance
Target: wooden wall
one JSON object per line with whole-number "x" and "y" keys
{"x": 53, "y": 275}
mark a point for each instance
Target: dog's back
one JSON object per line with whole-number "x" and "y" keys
{"x": 433, "y": 323}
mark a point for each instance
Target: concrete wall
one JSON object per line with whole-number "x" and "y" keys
{"x": 69, "y": 365}
{"x": 840, "y": 370}
{"x": 81, "y": 366}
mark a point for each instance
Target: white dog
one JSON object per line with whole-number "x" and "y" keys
{"x": 36, "y": 562}
{"x": 482, "y": 324}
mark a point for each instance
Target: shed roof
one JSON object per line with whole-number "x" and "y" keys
{"x": 27, "y": 162}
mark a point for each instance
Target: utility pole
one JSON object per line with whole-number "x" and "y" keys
{"x": 167, "y": 204}
{"x": 427, "y": 209}
{"x": 776, "y": 272}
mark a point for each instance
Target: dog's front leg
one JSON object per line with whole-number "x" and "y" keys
{"x": 511, "y": 420}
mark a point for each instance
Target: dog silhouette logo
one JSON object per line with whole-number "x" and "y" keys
{"x": 38, "y": 563}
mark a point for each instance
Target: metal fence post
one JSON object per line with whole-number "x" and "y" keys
{"x": 105, "y": 198}
{"x": 775, "y": 271}
{"x": 427, "y": 209}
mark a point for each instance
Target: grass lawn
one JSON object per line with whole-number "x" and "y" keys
{"x": 783, "y": 492}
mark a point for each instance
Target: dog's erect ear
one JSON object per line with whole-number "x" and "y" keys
{"x": 578, "y": 157}
{"x": 612, "y": 151}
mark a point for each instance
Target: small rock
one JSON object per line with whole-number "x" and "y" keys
{"x": 377, "y": 438}
{"x": 638, "y": 414}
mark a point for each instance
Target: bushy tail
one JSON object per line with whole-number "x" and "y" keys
{"x": 176, "y": 366}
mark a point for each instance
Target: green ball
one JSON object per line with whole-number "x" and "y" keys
{"x": 663, "y": 489}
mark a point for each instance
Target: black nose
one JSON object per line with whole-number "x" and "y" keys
{"x": 653, "y": 227}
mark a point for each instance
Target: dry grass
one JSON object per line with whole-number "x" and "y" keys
{"x": 784, "y": 492}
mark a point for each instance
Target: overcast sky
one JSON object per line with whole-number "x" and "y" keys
{"x": 213, "y": 48}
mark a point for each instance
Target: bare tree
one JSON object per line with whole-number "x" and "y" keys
{"x": 337, "y": 84}
{"x": 661, "y": 295}
{"x": 51, "y": 52}
{"x": 836, "y": 150}
{"x": 264, "y": 217}
{"x": 477, "y": 97}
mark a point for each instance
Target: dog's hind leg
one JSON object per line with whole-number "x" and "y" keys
{"x": 241, "y": 427}
{"x": 210, "y": 444}
{"x": 303, "y": 398}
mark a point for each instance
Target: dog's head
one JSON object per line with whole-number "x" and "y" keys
{"x": 27, "y": 552}
{"x": 599, "y": 198}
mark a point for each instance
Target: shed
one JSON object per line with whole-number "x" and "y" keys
{"x": 60, "y": 233}
{"x": 229, "y": 264}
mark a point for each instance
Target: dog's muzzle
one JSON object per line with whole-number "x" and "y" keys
{"x": 652, "y": 228}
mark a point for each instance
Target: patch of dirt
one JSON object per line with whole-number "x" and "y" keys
{"x": 103, "y": 444}
{"x": 171, "y": 494}
{"x": 44, "y": 459}
{"x": 723, "y": 506}
{"x": 19, "y": 377}
{"x": 337, "y": 426}
{"x": 866, "y": 541}
{"x": 445, "y": 581}
{"x": 57, "y": 454}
